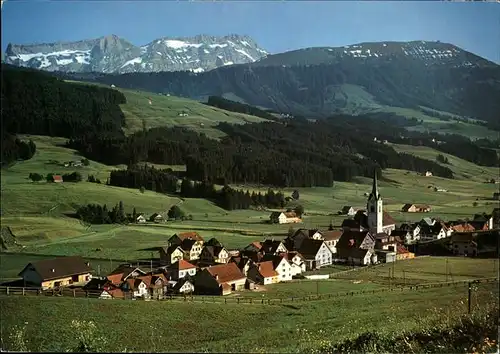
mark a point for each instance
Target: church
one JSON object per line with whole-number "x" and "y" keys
{"x": 374, "y": 218}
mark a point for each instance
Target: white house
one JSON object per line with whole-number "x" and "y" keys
{"x": 137, "y": 286}
{"x": 180, "y": 269}
{"x": 141, "y": 219}
{"x": 278, "y": 217}
{"x": 183, "y": 286}
{"x": 316, "y": 253}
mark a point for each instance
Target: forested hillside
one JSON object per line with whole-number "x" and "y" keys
{"x": 294, "y": 153}
{"x": 316, "y": 90}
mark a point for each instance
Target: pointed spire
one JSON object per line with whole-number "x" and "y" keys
{"x": 375, "y": 185}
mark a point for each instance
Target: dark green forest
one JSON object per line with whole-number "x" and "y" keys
{"x": 309, "y": 90}
{"x": 290, "y": 153}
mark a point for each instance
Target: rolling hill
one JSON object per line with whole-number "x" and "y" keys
{"x": 318, "y": 82}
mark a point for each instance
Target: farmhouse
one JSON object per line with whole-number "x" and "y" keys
{"x": 464, "y": 244}
{"x": 141, "y": 219}
{"x": 213, "y": 254}
{"x": 295, "y": 240}
{"x": 183, "y": 286}
{"x": 331, "y": 238}
{"x": 415, "y": 208}
{"x": 350, "y": 242}
{"x": 273, "y": 247}
{"x": 57, "y": 272}
{"x": 156, "y": 218}
{"x": 219, "y": 280}
{"x": 191, "y": 248}
{"x": 180, "y": 269}
{"x": 263, "y": 273}
{"x": 428, "y": 174}
{"x": 136, "y": 287}
{"x": 316, "y": 253}
{"x": 348, "y": 210}
{"x": 124, "y": 272}
{"x": 278, "y": 217}
{"x": 171, "y": 254}
{"x": 281, "y": 265}
{"x": 243, "y": 263}
{"x": 178, "y": 238}
{"x": 297, "y": 262}
{"x": 436, "y": 231}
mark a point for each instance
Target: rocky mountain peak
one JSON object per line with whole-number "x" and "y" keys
{"x": 113, "y": 54}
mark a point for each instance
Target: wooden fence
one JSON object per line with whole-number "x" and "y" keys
{"x": 67, "y": 292}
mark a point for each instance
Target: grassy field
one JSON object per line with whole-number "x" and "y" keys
{"x": 423, "y": 270}
{"x": 297, "y": 327}
{"x": 36, "y": 212}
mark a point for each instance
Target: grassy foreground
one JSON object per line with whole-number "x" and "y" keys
{"x": 164, "y": 326}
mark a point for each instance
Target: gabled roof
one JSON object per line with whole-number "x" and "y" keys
{"x": 182, "y": 265}
{"x": 213, "y": 242}
{"x": 255, "y": 244}
{"x": 180, "y": 283}
{"x": 254, "y": 256}
{"x": 352, "y": 239}
{"x": 266, "y": 269}
{"x": 122, "y": 272}
{"x": 214, "y": 251}
{"x": 270, "y": 246}
{"x": 274, "y": 259}
{"x": 388, "y": 219}
{"x": 59, "y": 267}
{"x": 407, "y": 207}
{"x": 133, "y": 283}
{"x": 309, "y": 248}
{"x": 332, "y": 235}
{"x": 292, "y": 254}
{"x": 187, "y": 244}
{"x": 188, "y": 235}
{"x": 57, "y": 178}
{"x": 170, "y": 249}
{"x": 226, "y": 272}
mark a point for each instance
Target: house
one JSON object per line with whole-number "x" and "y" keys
{"x": 57, "y": 179}
{"x": 289, "y": 217}
{"x": 428, "y": 174}
{"x": 416, "y": 208}
{"x": 348, "y": 210}
{"x": 124, "y": 272}
{"x": 100, "y": 288}
{"x": 486, "y": 218}
{"x": 157, "y": 284}
{"x": 141, "y": 219}
{"x": 281, "y": 265}
{"x": 219, "y": 280}
{"x": 386, "y": 242}
{"x": 461, "y": 226}
{"x": 359, "y": 256}
{"x": 263, "y": 273}
{"x": 350, "y": 242}
{"x": 436, "y": 231}
{"x": 136, "y": 288}
{"x": 331, "y": 238}
{"x": 180, "y": 269}
{"x": 297, "y": 262}
{"x": 439, "y": 189}
{"x": 316, "y": 254}
{"x": 254, "y": 246}
{"x": 402, "y": 253}
{"x": 183, "y": 286}
{"x": 191, "y": 248}
{"x": 57, "y": 272}
{"x": 156, "y": 218}
{"x": 213, "y": 254}
{"x": 171, "y": 254}
{"x": 273, "y": 247}
{"x": 464, "y": 244}
{"x": 412, "y": 232}
{"x": 243, "y": 263}
{"x": 178, "y": 238}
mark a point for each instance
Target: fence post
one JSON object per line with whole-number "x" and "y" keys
{"x": 23, "y": 291}
{"x": 74, "y": 293}
{"x": 238, "y": 300}
{"x": 225, "y": 300}
{"x": 469, "y": 290}
{"x": 7, "y": 290}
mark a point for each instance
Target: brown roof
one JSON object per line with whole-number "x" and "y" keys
{"x": 226, "y": 272}
{"x": 332, "y": 235}
{"x": 290, "y": 214}
{"x": 189, "y": 235}
{"x": 465, "y": 227}
{"x": 266, "y": 269}
{"x": 59, "y": 267}
{"x": 309, "y": 248}
{"x": 181, "y": 265}
{"x": 134, "y": 283}
{"x": 116, "y": 293}
{"x": 387, "y": 219}
{"x": 187, "y": 244}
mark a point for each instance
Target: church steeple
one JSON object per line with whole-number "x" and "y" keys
{"x": 375, "y": 192}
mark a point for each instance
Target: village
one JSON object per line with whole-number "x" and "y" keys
{"x": 189, "y": 264}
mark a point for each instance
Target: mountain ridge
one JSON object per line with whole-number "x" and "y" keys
{"x": 113, "y": 54}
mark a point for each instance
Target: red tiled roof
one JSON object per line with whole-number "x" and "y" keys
{"x": 57, "y": 178}
{"x": 226, "y": 272}
{"x": 266, "y": 269}
{"x": 182, "y": 265}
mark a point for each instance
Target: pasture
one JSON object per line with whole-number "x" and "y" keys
{"x": 210, "y": 327}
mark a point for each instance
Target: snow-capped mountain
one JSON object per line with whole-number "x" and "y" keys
{"x": 112, "y": 54}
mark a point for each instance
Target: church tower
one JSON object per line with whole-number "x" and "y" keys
{"x": 374, "y": 208}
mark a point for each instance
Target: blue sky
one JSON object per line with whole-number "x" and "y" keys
{"x": 277, "y": 26}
